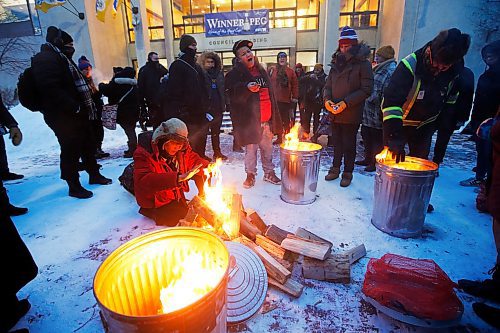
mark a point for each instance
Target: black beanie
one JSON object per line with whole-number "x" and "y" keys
{"x": 57, "y": 36}
{"x": 186, "y": 40}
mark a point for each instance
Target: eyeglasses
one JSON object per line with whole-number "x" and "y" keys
{"x": 438, "y": 66}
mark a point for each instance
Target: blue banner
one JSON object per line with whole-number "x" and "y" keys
{"x": 245, "y": 22}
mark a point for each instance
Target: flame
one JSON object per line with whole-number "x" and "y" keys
{"x": 191, "y": 275}
{"x": 410, "y": 163}
{"x": 292, "y": 140}
{"x": 218, "y": 199}
{"x": 384, "y": 156}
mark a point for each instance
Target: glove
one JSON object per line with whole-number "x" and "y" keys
{"x": 188, "y": 175}
{"x": 16, "y": 136}
{"x": 392, "y": 131}
{"x": 329, "y": 105}
{"x": 339, "y": 107}
{"x": 397, "y": 148}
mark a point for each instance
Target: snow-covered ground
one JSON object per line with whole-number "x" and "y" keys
{"x": 69, "y": 238}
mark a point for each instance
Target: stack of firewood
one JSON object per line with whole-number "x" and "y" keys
{"x": 280, "y": 250}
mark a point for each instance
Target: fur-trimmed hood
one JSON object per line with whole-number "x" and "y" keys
{"x": 359, "y": 52}
{"x": 210, "y": 54}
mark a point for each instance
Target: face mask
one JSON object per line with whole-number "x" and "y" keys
{"x": 68, "y": 51}
{"x": 190, "y": 52}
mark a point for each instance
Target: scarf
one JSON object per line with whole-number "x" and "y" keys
{"x": 84, "y": 91}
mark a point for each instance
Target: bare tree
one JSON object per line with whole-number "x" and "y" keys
{"x": 15, "y": 54}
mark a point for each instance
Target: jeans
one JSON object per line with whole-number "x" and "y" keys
{"x": 266, "y": 152}
{"x": 344, "y": 145}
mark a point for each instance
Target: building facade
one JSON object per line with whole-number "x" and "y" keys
{"x": 307, "y": 30}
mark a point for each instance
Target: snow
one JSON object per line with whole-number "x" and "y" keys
{"x": 69, "y": 238}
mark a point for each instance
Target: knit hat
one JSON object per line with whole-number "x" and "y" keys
{"x": 386, "y": 52}
{"x": 84, "y": 63}
{"x": 172, "y": 129}
{"x": 241, "y": 43}
{"x": 185, "y": 42}
{"x": 57, "y": 36}
{"x": 348, "y": 36}
{"x": 299, "y": 65}
{"x": 318, "y": 67}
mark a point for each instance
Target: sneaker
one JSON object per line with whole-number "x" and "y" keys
{"x": 272, "y": 178}
{"x": 250, "y": 181}
{"x": 11, "y": 176}
{"x": 370, "y": 168}
{"x": 101, "y": 154}
{"x": 487, "y": 313}
{"x": 346, "y": 179}
{"x": 471, "y": 182}
{"x": 362, "y": 163}
{"x": 333, "y": 174}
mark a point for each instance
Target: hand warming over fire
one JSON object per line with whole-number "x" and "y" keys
{"x": 189, "y": 174}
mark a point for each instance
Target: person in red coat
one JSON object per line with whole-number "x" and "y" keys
{"x": 162, "y": 170}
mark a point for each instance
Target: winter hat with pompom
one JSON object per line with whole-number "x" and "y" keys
{"x": 83, "y": 63}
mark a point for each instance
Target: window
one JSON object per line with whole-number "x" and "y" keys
{"x": 307, "y": 58}
{"x": 307, "y": 14}
{"x": 242, "y": 5}
{"x": 154, "y": 20}
{"x": 359, "y": 13}
{"x": 18, "y": 18}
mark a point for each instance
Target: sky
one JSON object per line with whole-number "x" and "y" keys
{"x": 69, "y": 238}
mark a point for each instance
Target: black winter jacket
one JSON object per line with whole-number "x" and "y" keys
{"x": 186, "y": 96}
{"x": 311, "y": 88}
{"x": 6, "y": 118}
{"x": 245, "y": 106}
{"x": 351, "y": 83}
{"x": 148, "y": 82}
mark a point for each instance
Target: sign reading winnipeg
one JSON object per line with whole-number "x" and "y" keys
{"x": 245, "y": 22}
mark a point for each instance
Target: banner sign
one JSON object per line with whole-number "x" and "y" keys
{"x": 245, "y": 22}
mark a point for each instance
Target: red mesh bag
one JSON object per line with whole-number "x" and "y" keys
{"x": 416, "y": 287}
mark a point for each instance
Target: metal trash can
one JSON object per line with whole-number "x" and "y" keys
{"x": 401, "y": 196}
{"x": 299, "y": 173}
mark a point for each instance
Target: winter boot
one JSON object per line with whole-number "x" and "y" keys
{"x": 334, "y": 173}
{"x": 98, "y": 179}
{"x": 7, "y": 207}
{"x": 250, "y": 181}
{"x": 487, "y": 313}
{"x": 346, "y": 179}
{"x": 99, "y": 153}
{"x": 13, "y": 314}
{"x": 10, "y": 176}
{"x": 76, "y": 190}
{"x": 488, "y": 289}
{"x": 272, "y": 178}
{"x": 370, "y": 168}
{"x": 364, "y": 162}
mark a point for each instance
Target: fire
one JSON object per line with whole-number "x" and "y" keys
{"x": 410, "y": 163}
{"x": 218, "y": 199}
{"x": 192, "y": 275}
{"x": 292, "y": 140}
{"x": 384, "y": 156}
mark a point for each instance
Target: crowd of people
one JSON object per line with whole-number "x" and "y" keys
{"x": 396, "y": 104}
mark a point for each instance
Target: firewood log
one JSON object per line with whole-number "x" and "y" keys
{"x": 276, "y": 234}
{"x": 308, "y": 248}
{"x": 273, "y": 268}
{"x": 272, "y": 248}
{"x": 334, "y": 269}
{"x": 291, "y": 287}
{"x": 257, "y": 221}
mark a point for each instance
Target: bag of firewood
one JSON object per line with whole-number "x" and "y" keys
{"x": 127, "y": 178}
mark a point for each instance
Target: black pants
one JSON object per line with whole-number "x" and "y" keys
{"x": 197, "y": 135}
{"x": 344, "y": 145}
{"x": 155, "y": 115}
{"x": 419, "y": 140}
{"x": 285, "y": 115}
{"x": 215, "y": 126}
{"x": 129, "y": 129}
{"x": 168, "y": 215}
{"x": 310, "y": 110}
{"x": 97, "y": 132}
{"x": 4, "y": 165}
{"x": 75, "y": 138}
{"x": 442, "y": 140}
{"x": 372, "y": 141}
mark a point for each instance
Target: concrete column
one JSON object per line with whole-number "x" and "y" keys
{"x": 321, "y": 32}
{"x": 331, "y": 30}
{"x": 168, "y": 31}
{"x": 142, "y": 45}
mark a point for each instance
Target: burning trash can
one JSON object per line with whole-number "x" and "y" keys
{"x": 171, "y": 280}
{"x": 299, "y": 163}
{"x": 401, "y": 194}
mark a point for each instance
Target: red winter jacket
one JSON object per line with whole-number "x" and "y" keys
{"x": 155, "y": 183}
{"x": 285, "y": 94}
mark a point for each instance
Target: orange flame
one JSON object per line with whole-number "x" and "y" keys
{"x": 384, "y": 156}
{"x": 218, "y": 199}
{"x": 292, "y": 140}
{"x": 410, "y": 163}
{"x": 192, "y": 275}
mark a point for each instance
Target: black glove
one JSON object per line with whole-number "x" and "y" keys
{"x": 393, "y": 136}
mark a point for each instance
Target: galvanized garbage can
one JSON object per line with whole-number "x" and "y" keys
{"x": 299, "y": 173}
{"x": 401, "y": 196}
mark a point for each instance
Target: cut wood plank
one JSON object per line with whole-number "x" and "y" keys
{"x": 334, "y": 269}
{"x": 248, "y": 229}
{"x": 308, "y": 248}
{"x": 303, "y": 233}
{"x": 257, "y": 221}
{"x": 291, "y": 287}
{"x": 273, "y": 268}
{"x": 200, "y": 207}
{"x": 276, "y": 234}
{"x": 235, "y": 207}
{"x": 354, "y": 254}
{"x": 272, "y": 248}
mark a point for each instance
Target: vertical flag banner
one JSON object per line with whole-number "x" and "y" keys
{"x": 45, "y": 5}
{"x": 116, "y": 4}
{"x": 100, "y": 9}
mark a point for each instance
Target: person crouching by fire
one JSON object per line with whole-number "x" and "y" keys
{"x": 254, "y": 112}
{"x": 162, "y": 168}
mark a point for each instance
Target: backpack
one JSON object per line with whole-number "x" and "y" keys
{"x": 28, "y": 94}
{"x": 127, "y": 178}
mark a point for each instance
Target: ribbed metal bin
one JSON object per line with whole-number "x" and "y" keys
{"x": 299, "y": 173}
{"x": 127, "y": 285}
{"x": 401, "y": 197}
